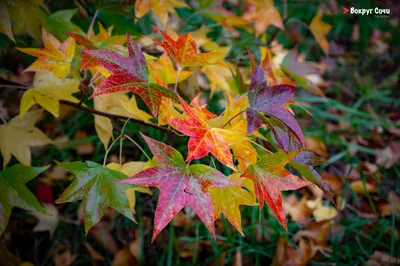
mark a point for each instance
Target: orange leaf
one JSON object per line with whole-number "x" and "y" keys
{"x": 54, "y": 57}
{"x": 184, "y": 50}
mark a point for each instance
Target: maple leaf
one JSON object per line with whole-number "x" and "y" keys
{"x": 184, "y": 50}
{"x": 160, "y": 8}
{"x": 130, "y": 75}
{"x": 96, "y": 42}
{"x": 18, "y": 135}
{"x": 14, "y": 193}
{"x": 263, "y": 14}
{"x": 270, "y": 178}
{"x": 226, "y": 18}
{"x": 47, "y": 91}
{"x": 227, "y": 200}
{"x": 97, "y": 187}
{"x": 220, "y": 76}
{"x": 304, "y": 162}
{"x": 59, "y": 22}
{"x": 320, "y": 29}
{"x": 165, "y": 71}
{"x": 47, "y": 222}
{"x": 270, "y": 100}
{"x": 234, "y": 120}
{"x": 203, "y": 138}
{"x": 299, "y": 70}
{"x": 130, "y": 169}
{"x": 179, "y": 185}
{"x": 5, "y": 22}
{"x": 26, "y": 16}
{"x": 54, "y": 57}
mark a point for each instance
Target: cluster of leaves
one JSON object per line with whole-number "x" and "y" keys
{"x": 263, "y": 112}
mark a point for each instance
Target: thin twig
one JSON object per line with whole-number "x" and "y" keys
{"x": 10, "y": 84}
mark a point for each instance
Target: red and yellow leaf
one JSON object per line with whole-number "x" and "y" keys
{"x": 54, "y": 57}
{"x": 270, "y": 178}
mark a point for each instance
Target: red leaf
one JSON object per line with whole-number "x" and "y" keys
{"x": 203, "y": 138}
{"x": 130, "y": 74}
{"x": 179, "y": 185}
{"x": 270, "y": 178}
{"x": 184, "y": 50}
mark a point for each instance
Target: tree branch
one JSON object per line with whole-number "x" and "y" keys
{"x": 11, "y": 84}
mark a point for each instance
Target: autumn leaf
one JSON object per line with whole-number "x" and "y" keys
{"x": 5, "y": 22}
{"x": 17, "y": 136}
{"x": 203, "y": 138}
{"x": 47, "y": 91}
{"x": 14, "y": 193}
{"x": 184, "y": 50}
{"x": 320, "y": 29}
{"x": 226, "y": 18}
{"x": 130, "y": 74}
{"x": 59, "y": 23}
{"x": 160, "y": 8}
{"x": 26, "y": 16}
{"x": 54, "y": 57}
{"x": 234, "y": 120}
{"x": 165, "y": 71}
{"x": 270, "y": 100}
{"x": 97, "y": 187}
{"x": 299, "y": 70}
{"x": 179, "y": 185}
{"x": 270, "y": 178}
{"x": 227, "y": 200}
{"x": 102, "y": 40}
{"x": 263, "y": 14}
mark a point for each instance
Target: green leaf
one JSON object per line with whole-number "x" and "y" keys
{"x": 14, "y": 193}
{"x": 60, "y": 22}
{"x": 97, "y": 187}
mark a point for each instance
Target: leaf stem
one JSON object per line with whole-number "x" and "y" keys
{"x": 91, "y": 24}
{"x": 233, "y": 117}
{"x": 2, "y": 119}
{"x": 108, "y": 150}
{"x": 137, "y": 145}
{"x": 177, "y": 77}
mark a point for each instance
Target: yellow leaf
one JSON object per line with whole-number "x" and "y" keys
{"x": 54, "y": 57}
{"x": 131, "y": 169}
{"x": 118, "y": 104}
{"x": 320, "y": 29}
{"x": 263, "y": 14}
{"x": 5, "y": 22}
{"x": 27, "y": 16}
{"x": 160, "y": 8}
{"x": 17, "y": 136}
{"x": 219, "y": 77}
{"x": 227, "y": 200}
{"x": 165, "y": 70}
{"x": 320, "y": 211}
{"x": 167, "y": 111}
{"x": 47, "y": 90}
{"x": 359, "y": 188}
